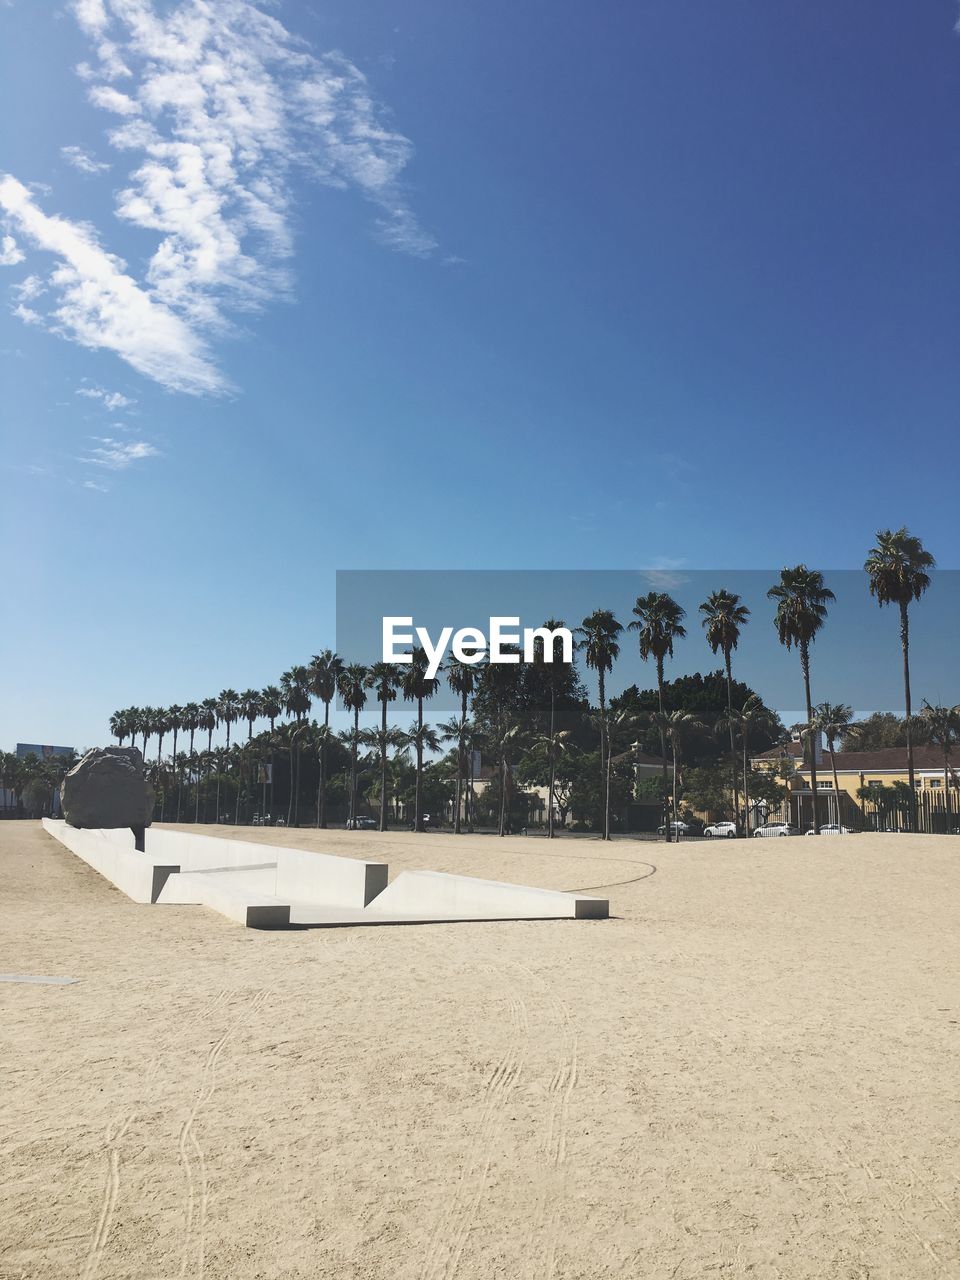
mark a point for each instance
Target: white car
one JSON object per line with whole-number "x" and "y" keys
{"x": 776, "y": 829}
{"x": 728, "y": 829}
{"x": 832, "y": 829}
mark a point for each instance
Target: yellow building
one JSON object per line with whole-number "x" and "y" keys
{"x": 855, "y": 770}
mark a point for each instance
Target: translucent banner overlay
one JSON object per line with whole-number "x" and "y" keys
{"x": 855, "y": 658}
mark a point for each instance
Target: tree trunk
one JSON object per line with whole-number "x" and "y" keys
{"x": 905, "y": 645}
{"x": 836, "y": 781}
{"x": 805, "y": 667}
{"x": 383, "y": 764}
{"x": 746, "y": 787}
{"x": 503, "y": 794}
{"x": 733, "y": 745}
{"x": 663, "y": 752}
{"x": 322, "y": 798}
{"x": 417, "y": 817}
{"x": 353, "y": 765}
{"x": 553, "y": 760}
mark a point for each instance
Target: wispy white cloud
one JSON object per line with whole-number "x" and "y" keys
{"x": 83, "y": 160}
{"x": 220, "y": 107}
{"x": 112, "y": 400}
{"x": 117, "y": 455}
{"x": 10, "y": 252}
{"x": 95, "y": 485}
{"x": 100, "y": 306}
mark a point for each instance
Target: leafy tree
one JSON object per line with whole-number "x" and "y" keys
{"x": 943, "y": 726}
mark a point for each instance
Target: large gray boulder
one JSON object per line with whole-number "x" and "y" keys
{"x": 107, "y": 789}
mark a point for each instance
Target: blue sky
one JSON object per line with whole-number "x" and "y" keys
{"x": 438, "y": 285}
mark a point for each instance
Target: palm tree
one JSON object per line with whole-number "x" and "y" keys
{"x": 228, "y": 710}
{"x": 145, "y": 717}
{"x": 175, "y": 723}
{"x": 385, "y": 679}
{"x": 190, "y": 718}
{"x": 295, "y": 684}
{"x": 325, "y": 669}
{"x": 898, "y": 568}
{"x": 724, "y": 615}
{"x": 943, "y": 726}
{"x": 833, "y": 721}
{"x": 752, "y": 715}
{"x": 352, "y": 688}
{"x": 598, "y": 638}
{"x": 551, "y": 668}
{"x": 802, "y": 599}
{"x": 463, "y": 733}
{"x": 415, "y": 687}
{"x": 249, "y": 704}
{"x": 422, "y": 737}
{"x": 622, "y": 720}
{"x": 207, "y": 723}
{"x": 658, "y": 623}
{"x": 674, "y": 726}
{"x": 123, "y": 724}
{"x": 271, "y": 706}
{"x": 462, "y": 679}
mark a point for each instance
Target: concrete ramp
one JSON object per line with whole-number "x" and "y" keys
{"x": 140, "y": 876}
{"x": 271, "y": 887}
{"x": 238, "y": 895}
{"x": 437, "y": 895}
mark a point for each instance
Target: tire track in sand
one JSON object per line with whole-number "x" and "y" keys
{"x": 552, "y": 1154}
{"x": 116, "y": 1131}
{"x": 191, "y": 1155}
{"x": 456, "y": 1222}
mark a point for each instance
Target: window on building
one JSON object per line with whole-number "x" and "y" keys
{"x": 875, "y": 782}
{"x": 824, "y": 786}
{"x": 935, "y": 782}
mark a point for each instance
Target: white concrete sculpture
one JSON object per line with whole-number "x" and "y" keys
{"x": 270, "y": 887}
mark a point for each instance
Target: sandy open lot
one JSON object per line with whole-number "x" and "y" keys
{"x": 753, "y": 1070}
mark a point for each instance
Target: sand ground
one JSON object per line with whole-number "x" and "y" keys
{"x": 752, "y": 1070}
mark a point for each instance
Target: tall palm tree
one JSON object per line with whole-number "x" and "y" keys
{"x": 228, "y": 710}
{"x": 620, "y": 722}
{"x": 833, "y": 721}
{"x": 463, "y": 733}
{"x": 802, "y": 599}
{"x": 658, "y": 623}
{"x": 191, "y": 723}
{"x": 352, "y": 688}
{"x": 384, "y": 679}
{"x": 175, "y": 721}
{"x": 597, "y": 638}
{"x": 552, "y": 669}
{"x": 753, "y": 715}
{"x": 422, "y": 737}
{"x": 325, "y": 669}
{"x": 249, "y": 704}
{"x": 674, "y": 727}
{"x": 415, "y": 687}
{"x": 943, "y": 726}
{"x": 207, "y": 724}
{"x": 462, "y": 679}
{"x": 295, "y": 684}
{"x": 898, "y": 568}
{"x": 724, "y": 616}
{"x": 123, "y": 724}
{"x": 144, "y": 726}
{"x": 271, "y": 707}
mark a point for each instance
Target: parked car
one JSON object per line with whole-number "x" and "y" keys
{"x": 679, "y": 828}
{"x": 777, "y": 829}
{"x": 727, "y": 829}
{"x": 429, "y": 823}
{"x": 362, "y": 824}
{"x": 831, "y": 829}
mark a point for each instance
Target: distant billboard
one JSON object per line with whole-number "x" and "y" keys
{"x": 43, "y": 752}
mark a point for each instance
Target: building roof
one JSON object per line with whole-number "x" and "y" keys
{"x": 882, "y": 760}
